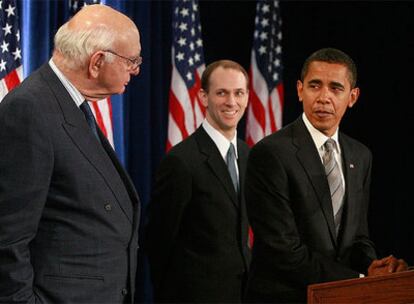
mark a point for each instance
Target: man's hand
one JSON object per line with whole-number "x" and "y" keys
{"x": 387, "y": 265}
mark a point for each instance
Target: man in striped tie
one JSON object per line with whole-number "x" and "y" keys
{"x": 307, "y": 192}
{"x": 69, "y": 212}
{"x": 197, "y": 231}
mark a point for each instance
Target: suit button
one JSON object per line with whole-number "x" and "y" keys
{"x": 108, "y": 207}
{"x": 124, "y": 291}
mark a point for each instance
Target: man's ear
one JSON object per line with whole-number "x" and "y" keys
{"x": 95, "y": 63}
{"x": 299, "y": 89}
{"x": 353, "y": 97}
{"x": 202, "y": 95}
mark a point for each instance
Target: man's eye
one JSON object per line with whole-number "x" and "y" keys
{"x": 337, "y": 89}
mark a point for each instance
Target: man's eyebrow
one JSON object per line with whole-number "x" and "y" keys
{"x": 317, "y": 81}
{"x": 336, "y": 84}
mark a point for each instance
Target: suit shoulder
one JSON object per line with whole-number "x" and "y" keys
{"x": 353, "y": 144}
{"x": 241, "y": 144}
{"x": 31, "y": 92}
{"x": 275, "y": 140}
{"x": 23, "y": 102}
{"x": 184, "y": 148}
{"x": 182, "y": 155}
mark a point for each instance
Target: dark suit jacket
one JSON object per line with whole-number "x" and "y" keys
{"x": 197, "y": 232}
{"x": 290, "y": 210}
{"x": 69, "y": 212}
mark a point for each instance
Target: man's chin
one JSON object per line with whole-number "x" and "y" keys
{"x": 121, "y": 90}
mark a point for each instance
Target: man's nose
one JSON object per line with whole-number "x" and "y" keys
{"x": 135, "y": 72}
{"x": 231, "y": 100}
{"x": 325, "y": 95}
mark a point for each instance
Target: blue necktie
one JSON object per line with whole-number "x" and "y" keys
{"x": 231, "y": 165}
{"x": 90, "y": 119}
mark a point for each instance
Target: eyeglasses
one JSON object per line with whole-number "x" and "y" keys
{"x": 133, "y": 63}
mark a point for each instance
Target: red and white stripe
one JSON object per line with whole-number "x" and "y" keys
{"x": 102, "y": 110}
{"x": 264, "y": 114}
{"x": 10, "y": 81}
{"x": 186, "y": 112}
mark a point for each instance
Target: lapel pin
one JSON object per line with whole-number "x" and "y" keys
{"x": 351, "y": 166}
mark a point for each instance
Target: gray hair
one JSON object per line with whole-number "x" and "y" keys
{"x": 77, "y": 45}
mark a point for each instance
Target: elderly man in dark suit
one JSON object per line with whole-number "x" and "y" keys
{"x": 307, "y": 192}
{"x": 69, "y": 212}
{"x": 197, "y": 231}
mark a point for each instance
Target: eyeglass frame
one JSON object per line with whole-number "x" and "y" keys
{"x": 136, "y": 63}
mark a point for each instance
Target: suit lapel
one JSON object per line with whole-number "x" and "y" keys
{"x": 126, "y": 180}
{"x": 309, "y": 158}
{"x": 350, "y": 173}
{"x": 243, "y": 152}
{"x": 241, "y": 163}
{"x": 78, "y": 130}
{"x": 124, "y": 176}
{"x": 216, "y": 162}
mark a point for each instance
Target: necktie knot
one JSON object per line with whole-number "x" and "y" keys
{"x": 231, "y": 153}
{"x": 330, "y": 145}
{"x": 90, "y": 119}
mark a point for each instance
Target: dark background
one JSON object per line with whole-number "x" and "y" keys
{"x": 379, "y": 36}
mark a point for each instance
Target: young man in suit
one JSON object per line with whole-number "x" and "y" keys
{"x": 308, "y": 211}
{"x": 197, "y": 231}
{"x": 69, "y": 212}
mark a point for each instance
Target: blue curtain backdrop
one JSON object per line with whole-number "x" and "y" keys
{"x": 146, "y": 108}
{"x": 140, "y": 114}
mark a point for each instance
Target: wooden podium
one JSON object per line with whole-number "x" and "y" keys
{"x": 393, "y": 288}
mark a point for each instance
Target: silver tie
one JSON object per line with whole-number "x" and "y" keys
{"x": 334, "y": 177}
{"x": 231, "y": 166}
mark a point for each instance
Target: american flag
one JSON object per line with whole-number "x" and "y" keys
{"x": 264, "y": 115}
{"x": 102, "y": 109}
{"x": 11, "y": 70}
{"x": 185, "y": 109}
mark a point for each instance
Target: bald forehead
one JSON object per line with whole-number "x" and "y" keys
{"x": 220, "y": 74}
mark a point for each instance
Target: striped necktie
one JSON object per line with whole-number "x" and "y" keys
{"x": 333, "y": 174}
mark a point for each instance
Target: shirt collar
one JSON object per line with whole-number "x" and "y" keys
{"x": 73, "y": 92}
{"x": 222, "y": 143}
{"x": 318, "y": 137}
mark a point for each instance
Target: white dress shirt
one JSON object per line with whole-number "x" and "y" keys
{"x": 222, "y": 143}
{"x": 319, "y": 140}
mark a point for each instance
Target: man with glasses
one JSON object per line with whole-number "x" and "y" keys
{"x": 133, "y": 63}
{"x": 69, "y": 212}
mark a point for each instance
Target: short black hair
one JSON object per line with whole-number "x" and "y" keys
{"x": 331, "y": 55}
